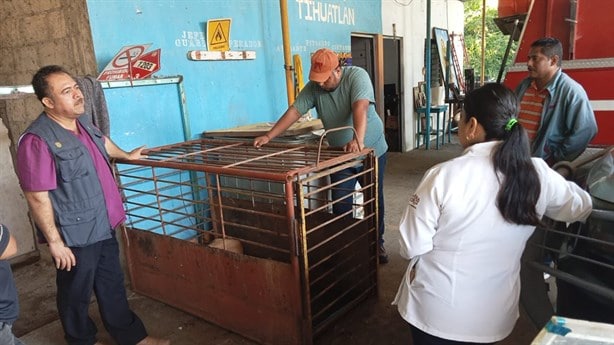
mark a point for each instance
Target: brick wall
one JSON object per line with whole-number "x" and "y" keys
{"x": 34, "y": 33}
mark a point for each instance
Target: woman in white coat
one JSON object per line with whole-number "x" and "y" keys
{"x": 465, "y": 228}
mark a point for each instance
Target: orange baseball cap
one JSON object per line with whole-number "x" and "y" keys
{"x": 323, "y": 62}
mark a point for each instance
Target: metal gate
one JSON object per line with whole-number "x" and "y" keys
{"x": 284, "y": 266}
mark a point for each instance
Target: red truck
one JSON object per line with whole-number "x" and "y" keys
{"x": 577, "y": 259}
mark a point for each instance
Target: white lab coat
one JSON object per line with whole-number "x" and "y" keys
{"x": 466, "y": 256}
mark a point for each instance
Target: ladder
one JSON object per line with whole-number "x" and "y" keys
{"x": 460, "y": 75}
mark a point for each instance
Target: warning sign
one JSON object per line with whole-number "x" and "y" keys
{"x": 218, "y": 34}
{"x": 131, "y": 62}
{"x": 119, "y": 67}
{"x": 146, "y": 65}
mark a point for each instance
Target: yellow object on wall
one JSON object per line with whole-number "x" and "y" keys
{"x": 298, "y": 74}
{"x": 218, "y": 34}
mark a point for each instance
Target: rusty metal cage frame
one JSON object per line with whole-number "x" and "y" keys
{"x": 275, "y": 201}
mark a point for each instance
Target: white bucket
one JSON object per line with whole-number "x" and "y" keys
{"x": 438, "y": 95}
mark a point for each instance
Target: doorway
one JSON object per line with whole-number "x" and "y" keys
{"x": 363, "y": 55}
{"x": 393, "y": 91}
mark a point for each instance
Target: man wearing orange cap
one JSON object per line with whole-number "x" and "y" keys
{"x": 342, "y": 96}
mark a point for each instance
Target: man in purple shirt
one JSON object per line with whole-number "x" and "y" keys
{"x": 64, "y": 171}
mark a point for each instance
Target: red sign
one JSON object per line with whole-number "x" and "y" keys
{"x": 146, "y": 65}
{"x": 131, "y": 63}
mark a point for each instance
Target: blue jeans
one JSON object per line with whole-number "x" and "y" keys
{"x": 344, "y": 191}
{"x": 6, "y": 335}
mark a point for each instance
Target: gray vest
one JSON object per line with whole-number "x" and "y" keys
{"x": 78, "y": 201}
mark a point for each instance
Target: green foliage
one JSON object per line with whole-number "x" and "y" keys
{"x": 496, "y": 42}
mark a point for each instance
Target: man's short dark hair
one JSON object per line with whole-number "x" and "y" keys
{"x": 39, "y": 80}
{"x": 550, "y": 47}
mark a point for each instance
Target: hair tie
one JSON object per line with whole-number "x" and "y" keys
{"x": 510, "y": 124}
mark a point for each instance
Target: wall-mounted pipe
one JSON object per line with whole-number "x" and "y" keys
{"x": 285, "y": 33}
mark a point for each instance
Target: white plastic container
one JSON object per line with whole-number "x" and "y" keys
{"x": 581, "y": 333}
{"x": 438, "y": 94}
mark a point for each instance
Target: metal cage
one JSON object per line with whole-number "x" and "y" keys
{"x": 246, "y": 238}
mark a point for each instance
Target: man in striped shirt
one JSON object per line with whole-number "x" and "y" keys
{"x": 554, "y": 109}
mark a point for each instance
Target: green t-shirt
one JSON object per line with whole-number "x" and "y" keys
{"x": 335, "y": 108}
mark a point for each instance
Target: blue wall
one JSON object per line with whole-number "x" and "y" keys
{"x": 220, "y": 94}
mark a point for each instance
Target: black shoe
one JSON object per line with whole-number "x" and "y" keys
{"x": 383, "y": 257}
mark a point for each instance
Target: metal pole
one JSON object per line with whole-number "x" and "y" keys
{"x": 482, "y": 71}
{"x": 573, "y": 22}
{"x": 507, "y": 51}
{"x": 427, "y": 78}
{"x": 285, "y": 33}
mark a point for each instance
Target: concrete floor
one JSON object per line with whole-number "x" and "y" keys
{"x": 373, "y": 322}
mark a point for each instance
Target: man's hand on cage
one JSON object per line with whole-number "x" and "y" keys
{"x": 261, "y": 140}
{"x": 353, "y": 146}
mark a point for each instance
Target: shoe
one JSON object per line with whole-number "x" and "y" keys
{"x": 154, "y": 341}
{"x": 383, "y": 257}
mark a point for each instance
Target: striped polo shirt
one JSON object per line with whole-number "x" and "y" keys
{"x": 531, "y": 107}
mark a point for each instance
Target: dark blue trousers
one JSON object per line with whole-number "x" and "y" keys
{"x": 98, "y": 270}
{"x": 346, "y": 188}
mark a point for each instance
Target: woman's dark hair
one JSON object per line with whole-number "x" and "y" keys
{"x": 39, "y": 80}
{"x": 493, "y": 106}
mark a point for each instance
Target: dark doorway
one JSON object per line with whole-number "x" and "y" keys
{"x": 393, "y": 94}
{"x": 363, "y": 52}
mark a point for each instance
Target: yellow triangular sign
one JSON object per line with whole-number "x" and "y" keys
{"x": 218, "y": 34}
